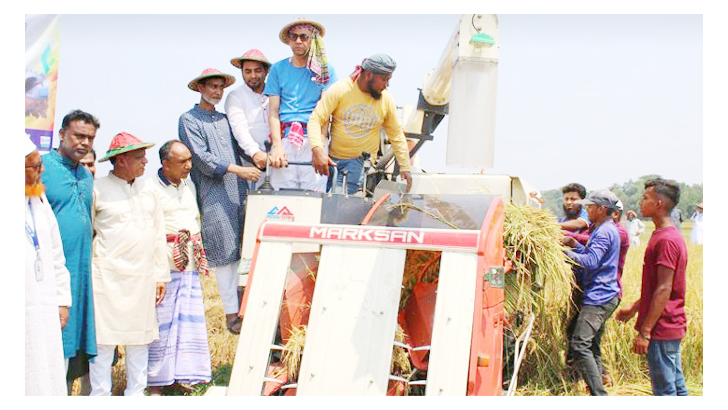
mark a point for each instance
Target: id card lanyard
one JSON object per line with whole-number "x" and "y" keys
{"x": 34, "y": 237}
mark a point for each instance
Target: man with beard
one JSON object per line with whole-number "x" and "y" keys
{"x": 129, "y": 265}
{"x": 47, "y": 286}
{"x": 70, "y": 194}
{"x": 219, "y": 179}
{"x": 294, "y": 86}
{"x": 182, "y": 353}
{"x": 246, "y": 108}
{"x": 361, "y": 107}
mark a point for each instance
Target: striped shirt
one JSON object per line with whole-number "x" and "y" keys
{"x": 220, "y": 196}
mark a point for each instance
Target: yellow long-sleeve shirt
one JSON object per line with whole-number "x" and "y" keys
{"x": 357, "y": 121}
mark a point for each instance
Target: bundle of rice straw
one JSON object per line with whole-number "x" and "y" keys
{"x": 540, "y": 283}
{"x": 293, "y": 352}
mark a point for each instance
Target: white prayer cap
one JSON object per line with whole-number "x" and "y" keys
{"x": 28, "y": 145}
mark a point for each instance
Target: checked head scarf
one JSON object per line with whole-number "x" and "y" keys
{"x": 317, "y": 61}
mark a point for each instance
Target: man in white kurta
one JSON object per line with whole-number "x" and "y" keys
{"x": 47, "y": 287}
{"x": 182, "y": 352}
{"x": 129, "y": 265}
{"x": 246, "y": 108}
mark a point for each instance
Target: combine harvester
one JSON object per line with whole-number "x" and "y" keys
{"x": 355, "y": 268}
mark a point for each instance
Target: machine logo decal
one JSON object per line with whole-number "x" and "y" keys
{"x": 283, "y": 214}
{"x": 359, "y": 234}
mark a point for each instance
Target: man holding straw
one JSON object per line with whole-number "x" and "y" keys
{"x": 599, "y": 260}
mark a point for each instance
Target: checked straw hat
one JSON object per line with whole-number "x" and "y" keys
{"x": 250, "y": 55}
{"x": 211, "y": 72}
{"x": 124, "y": 142}
{"x": 283, "y": 35}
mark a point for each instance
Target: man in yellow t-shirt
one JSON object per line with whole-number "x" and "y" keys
{"x": 361, "y": 108}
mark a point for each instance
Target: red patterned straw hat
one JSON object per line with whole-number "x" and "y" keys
{"x": 211, "y": 72}
{"x": 124, "y": 142}
{"x": 250, "y": 55}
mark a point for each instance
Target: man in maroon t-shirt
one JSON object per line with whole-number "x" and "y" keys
{"x": 661, "y": 322}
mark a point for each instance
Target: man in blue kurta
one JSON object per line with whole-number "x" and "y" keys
{"x": 221, "y": 187}
{"x": 70, "y": 190}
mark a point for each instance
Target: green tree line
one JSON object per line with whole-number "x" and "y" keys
{"x": 631, "y": 192}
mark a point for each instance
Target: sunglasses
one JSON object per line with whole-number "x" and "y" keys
{"x": 294, "y": 37}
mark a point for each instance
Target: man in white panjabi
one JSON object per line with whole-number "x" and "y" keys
{"x": 129, "y": 265}
{"x": 47, "y": 287}
{"x": 246, "y": 108}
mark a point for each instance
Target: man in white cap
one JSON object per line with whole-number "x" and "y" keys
{"x": 129, "y": 265}
{"x": 600, "y": 260}
{"x": 635, "y": 227}
{"x": 47, "y": 287}
{"x": 294, "y": 86}
{"x": 220, "y": 180}
{"x": 361, "y": 108}
{"x": 246, "y": 108}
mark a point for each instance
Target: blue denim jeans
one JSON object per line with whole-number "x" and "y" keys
{"x": 585, "y": 343}
{"x": 663, "y": 358}
{"x": 354, "y": 177}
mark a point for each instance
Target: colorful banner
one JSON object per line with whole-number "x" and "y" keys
{"x": 42, "y": 42}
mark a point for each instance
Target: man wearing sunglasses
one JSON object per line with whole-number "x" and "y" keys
{"x": 294, "y": 86}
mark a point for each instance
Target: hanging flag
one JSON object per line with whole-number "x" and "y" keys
{"x": 42, "y": 43}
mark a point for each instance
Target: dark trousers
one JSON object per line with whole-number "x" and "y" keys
{"x": 585, "y": 343}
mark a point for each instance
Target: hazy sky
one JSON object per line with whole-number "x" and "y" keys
{"x": 588, "y": 98}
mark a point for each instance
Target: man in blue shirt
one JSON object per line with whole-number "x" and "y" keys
{"x": 294, "y": 86}
{"x": 575, "y": 220}
{"x": 70, "y": 192}
{"x": 599, "y": 260}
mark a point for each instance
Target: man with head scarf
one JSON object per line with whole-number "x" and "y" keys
{"x": 47, "y": 286}
{"x": 361, "y": 108}
{"x": 129, "y": 265}
{"x": 70, "y": 193}
{"x": 219, "y": 177}
{"x": 294, "y": 86}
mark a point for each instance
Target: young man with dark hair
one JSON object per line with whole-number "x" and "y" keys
{"x": 575, "y": 217}
{"x": 70, "y": 194}
{"x": 661, "y": 321}
{"x": 600, "y": 260}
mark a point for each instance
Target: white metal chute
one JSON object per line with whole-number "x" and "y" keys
{"x": 352, "y": 323}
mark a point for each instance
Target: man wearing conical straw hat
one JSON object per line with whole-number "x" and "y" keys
{"x": 220, "y": 179}
{"x": 129, "y": 265}
{"x": 294, "y": 86}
